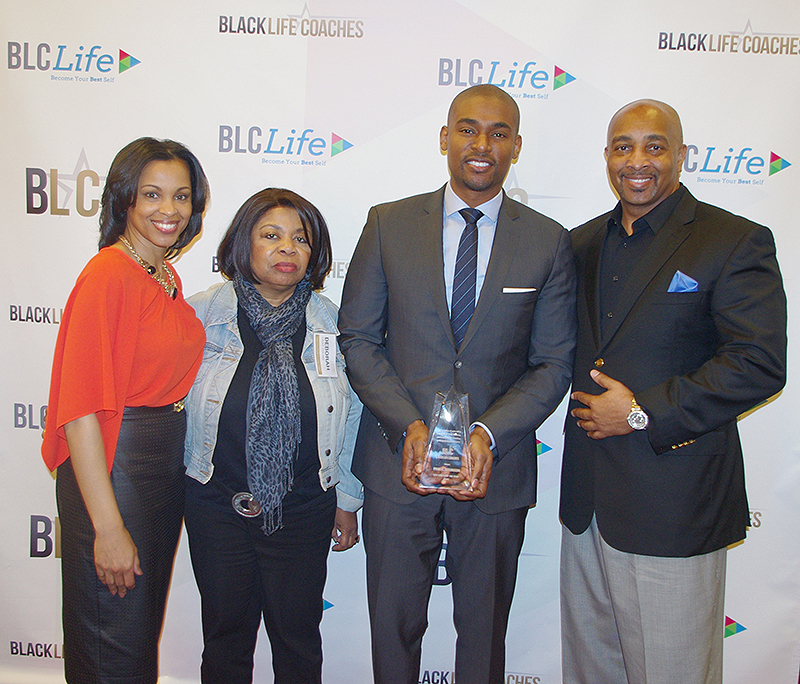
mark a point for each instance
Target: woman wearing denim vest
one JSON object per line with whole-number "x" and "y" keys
{"x": 272, "y": 423}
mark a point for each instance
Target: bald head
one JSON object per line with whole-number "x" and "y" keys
{"x": 489, "y": 92}
{"x": 644, "y": 155}
{"x": 652, "y": 111}
{"x": 481, "y": 140}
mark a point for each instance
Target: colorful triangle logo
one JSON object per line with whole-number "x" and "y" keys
{"x": 126, "y": 61}
{"x": 776, "y": 163}
{"x": 732, "y": 627}
{"x": 326, "y": 605}
{"x": 542, "y": 448}
{"x": 561, "y": 78}
{"x": 339, "y": 145}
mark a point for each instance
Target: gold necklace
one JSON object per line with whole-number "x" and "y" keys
{"x": 169, "y": 287}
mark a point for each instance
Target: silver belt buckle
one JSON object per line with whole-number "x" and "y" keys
{"x": 244, "y": 504}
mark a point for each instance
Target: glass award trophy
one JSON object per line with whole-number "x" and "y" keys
{"x": 446, "y": 457}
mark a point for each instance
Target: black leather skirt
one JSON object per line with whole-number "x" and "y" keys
{"x": 108, "y": 638}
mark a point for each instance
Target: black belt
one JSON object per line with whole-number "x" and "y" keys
{"x": 177, "y": 407}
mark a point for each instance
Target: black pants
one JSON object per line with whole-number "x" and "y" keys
{"x": 108, "y": 639}
{"x": 243, "y": 574}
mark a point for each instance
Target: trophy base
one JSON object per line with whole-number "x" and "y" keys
{"x": 443, "y": 477}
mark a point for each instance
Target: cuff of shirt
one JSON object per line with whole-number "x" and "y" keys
{"x": 488, "y": 432}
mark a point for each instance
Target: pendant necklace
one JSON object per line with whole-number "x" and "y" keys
{"x": 169, "y": 285}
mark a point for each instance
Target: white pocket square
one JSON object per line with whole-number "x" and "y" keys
{"x": 518, "y": 290}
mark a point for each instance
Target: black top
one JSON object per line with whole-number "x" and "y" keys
{"x": 621, "y": 252}
{"x": 230, "y": 462}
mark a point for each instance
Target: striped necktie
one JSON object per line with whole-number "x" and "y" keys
{"x": 463, "y": 300}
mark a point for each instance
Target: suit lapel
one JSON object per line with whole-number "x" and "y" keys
{"x": 428, "y": 234}
{"x": 669, "y": 238}
{"x": 504, "y": 249}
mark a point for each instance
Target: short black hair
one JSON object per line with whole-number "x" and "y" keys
{"x": 122, "y": 184}
{"x": 486, "y": 90}
{"x": 233, "y": 255}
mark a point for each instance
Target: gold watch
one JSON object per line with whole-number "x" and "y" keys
{"x": 637, "y": 418}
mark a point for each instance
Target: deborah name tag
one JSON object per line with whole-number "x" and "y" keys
{"x": 325, "y": 354}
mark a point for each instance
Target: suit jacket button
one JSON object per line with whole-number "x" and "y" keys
{"x": 599, "y": 363}
{"x": 330, "y": 409}
{"x": 327, "y": 452}
{"x": 458, "y": 364}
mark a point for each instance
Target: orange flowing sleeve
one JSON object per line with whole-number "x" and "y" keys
{"x": 94, "y": 356}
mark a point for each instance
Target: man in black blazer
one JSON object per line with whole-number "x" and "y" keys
{"x": 681, "y": 328}
{"x": 515, "y": 362}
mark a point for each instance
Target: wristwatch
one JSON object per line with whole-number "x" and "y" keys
{"x": 637, "y": 418}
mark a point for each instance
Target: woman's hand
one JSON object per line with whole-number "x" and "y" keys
{"x": 116, "y": 560}
{"x": 345, "y": 530}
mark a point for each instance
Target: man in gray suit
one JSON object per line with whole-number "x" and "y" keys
{"x": 406, "y": 336}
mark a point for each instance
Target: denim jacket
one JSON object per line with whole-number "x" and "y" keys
{"x": 338, "y": 407}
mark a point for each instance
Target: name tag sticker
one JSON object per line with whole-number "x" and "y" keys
{"x": 325, "y": 355}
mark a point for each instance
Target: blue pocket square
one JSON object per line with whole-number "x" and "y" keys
{"x": 682, "y": 283}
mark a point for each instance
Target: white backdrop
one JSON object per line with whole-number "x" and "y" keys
{"x": 342, "y": 101}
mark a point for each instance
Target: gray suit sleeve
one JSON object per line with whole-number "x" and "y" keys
{"x": 362, "y": 324}
{"x": 538, "y": 391}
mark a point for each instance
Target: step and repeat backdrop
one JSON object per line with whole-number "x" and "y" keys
{"x": 342, "y": 101}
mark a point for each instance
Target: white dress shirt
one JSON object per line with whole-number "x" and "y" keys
{"x": 454, "y": 224}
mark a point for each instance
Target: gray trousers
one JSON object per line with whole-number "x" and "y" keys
{"x": 403, "y": 544}
{"x": 627, "y": 618}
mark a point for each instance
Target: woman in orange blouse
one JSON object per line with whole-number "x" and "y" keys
{"x": 128, "y": 350}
